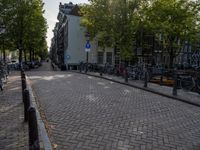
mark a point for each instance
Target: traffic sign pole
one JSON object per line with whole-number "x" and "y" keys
{"x": 87, "y": 49}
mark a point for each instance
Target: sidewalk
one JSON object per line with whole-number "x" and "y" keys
{"x": 186, "y": 96}
{"x": 13, "y": 131}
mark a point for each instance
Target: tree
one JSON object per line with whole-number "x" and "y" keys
{"x": 26, "y": 27}
{"x": 111, "y": 22}
{"x": 35, "y": 35}
{"x": 176, "y": 20}
{"x": 119, "y": 23}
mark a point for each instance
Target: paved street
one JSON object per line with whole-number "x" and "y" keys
{"x": 167, "y": 90}
{"x": 88, "y": 113}
{"x": 13, "y": 131}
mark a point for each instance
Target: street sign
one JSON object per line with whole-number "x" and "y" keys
{"x": 68, "y": 57}
{"x": 87, "y": 47}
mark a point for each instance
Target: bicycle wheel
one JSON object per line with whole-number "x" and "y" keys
{"x": 187, "y": 83}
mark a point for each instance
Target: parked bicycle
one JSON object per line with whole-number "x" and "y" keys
{"x": 4, "y": 71}
{"x": 109, "y": 69}
{"x": 138, "y": 73}
{"x": 190, "y": 83}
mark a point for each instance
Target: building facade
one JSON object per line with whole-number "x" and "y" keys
{"x": 69, "y": 41}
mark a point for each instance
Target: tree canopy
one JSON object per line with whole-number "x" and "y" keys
{"x": 121, "y": 22}
{"x": 25, "y": 26}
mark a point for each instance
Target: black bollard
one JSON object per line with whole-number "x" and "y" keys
{"x": 145, "y": 78}
{"x": 22, "y": 71}
{"x": 126, "y": 75}
{"x": 33, "y": 130}
{"x": 86, "y": 68}
{"x": 174, "y": 92}
{"x": 80, "y": 68}
{"x": 161, "y": 77}
{"x": 23, "y": 84}
{"x": 23, "y": 88}
{"x": 26, "y": 104}
{"x": 101, "y": 71}
{"x": 23, "y": 76}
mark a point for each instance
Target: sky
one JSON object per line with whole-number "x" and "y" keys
{"x": 51, "y": 11}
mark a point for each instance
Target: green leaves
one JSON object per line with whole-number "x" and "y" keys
{"x": 122, "y": 23}
{"x": 111, "y": 22}
{"x": 25, "y": 25}
{"x": 176, "y": 20}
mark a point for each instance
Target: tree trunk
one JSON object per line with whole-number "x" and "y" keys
{"x": 171, "y": 58}
{"x": 4, "y": 55}
{"x": 171, "y": 61}
{"x": 30, "y": 54}
{"x": 4, "y": 52}
{"x": 33, "y": 57}
{"x": 24, "y": 55}
{"x": 20, "y": 52}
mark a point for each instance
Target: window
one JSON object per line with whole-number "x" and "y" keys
{"x": 100, "y": 58}
{"x": 109, "y": 57}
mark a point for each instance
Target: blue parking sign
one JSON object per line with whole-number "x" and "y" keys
{"x": 87, "y": 46}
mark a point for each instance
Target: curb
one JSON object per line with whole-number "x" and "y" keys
{"x": 141, "y": 88}
{"x": 42, "y": 130}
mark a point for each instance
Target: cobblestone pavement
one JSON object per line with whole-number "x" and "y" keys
{"x": 88, "y": 113}
{"x": 182, "y": 94}
{"x": 13, "y": 131}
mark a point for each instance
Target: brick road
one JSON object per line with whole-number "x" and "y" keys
{"x": 89, "y": 113}
{"x": 13, "y": 131}
{"x": 167, "y": 90}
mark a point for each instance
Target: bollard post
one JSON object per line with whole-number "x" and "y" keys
{"x": 86, "y": 69}
{"x": 26, "y": 104}
{"x": 174, "y": 92}
{"x": 101, "y": 71}
{"x": 33, "y": 130}
{"x": 80, "y": 68}
{"x": 145, "y": 78}
{"x": 23, "y": 88}
{"x": 23, "y": 74}
{"x": 23, "y": 84}
{"x": 161, "y": 77}
{"x": 126, "y": 75}
{"x": 22, "y": 71}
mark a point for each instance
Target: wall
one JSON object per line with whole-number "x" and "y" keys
{"x": 76, "y": 42}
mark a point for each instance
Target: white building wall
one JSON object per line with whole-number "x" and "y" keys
{"x": 76, "y": 43}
